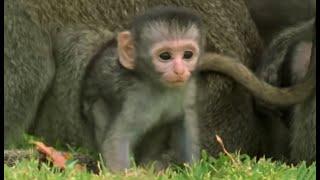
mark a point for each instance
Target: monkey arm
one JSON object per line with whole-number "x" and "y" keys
{"x": 115, "y": 152}
{"x": 274, "y": 95}
{"x": 135, "y": 118}
{"x": 184, "y": 139}
{"x": 191, "y": 123}
{"x": 190, "y": 137}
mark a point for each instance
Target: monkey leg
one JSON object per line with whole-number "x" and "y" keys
{"x": 28, "y": 72}
{"x": 101, "y": 120}
{"x": 277, "y": 137}
{"x": 303, "y": 127}
{"x": 303, "y": 132}
{"x": 184, "y": 144}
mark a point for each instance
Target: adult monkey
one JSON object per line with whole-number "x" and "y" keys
{"x": 288, "y": 66}
{"x": 290, "y": 16}
{"x": 286, "y": 71}
{"x": 302, "y": 95}
{"x": 299, "y": 139}
{"x": 272, "y": 17}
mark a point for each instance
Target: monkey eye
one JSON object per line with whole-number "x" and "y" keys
{"x": 165, "y": 56}
{"x": 187, "y": 54}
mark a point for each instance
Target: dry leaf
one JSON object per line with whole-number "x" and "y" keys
{"x": 57, "y": 158}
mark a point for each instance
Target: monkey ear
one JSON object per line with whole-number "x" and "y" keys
{"x": 126, "y": 49}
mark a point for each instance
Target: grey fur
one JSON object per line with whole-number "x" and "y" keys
{"x": 34, "y": 64}
{"x": 72, "y": 51}
{"x": 300, "y": 118}
{"x": 273, "y": 16}
{"x": 303, "y": 124}
{"x": 224, "y": 106}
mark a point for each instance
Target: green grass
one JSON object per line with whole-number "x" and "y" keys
{"x": 238, "y": 168}
{"x": 208, "y": 168}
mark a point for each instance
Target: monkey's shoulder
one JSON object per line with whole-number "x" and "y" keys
{"x": 105, "y": 77}
{"x": 105, "y": 69}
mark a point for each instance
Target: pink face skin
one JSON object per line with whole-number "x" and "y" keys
{"x": 177, "y": 69}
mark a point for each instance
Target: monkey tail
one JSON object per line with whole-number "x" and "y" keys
{"x": 260, "y": 89}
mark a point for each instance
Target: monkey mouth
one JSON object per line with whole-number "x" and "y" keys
{"x": 177, "y": 83}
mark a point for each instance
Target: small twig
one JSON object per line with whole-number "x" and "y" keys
{"x": 219, "y": 140}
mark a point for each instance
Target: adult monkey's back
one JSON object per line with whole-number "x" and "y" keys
{"x": 273, "y": 16}
{"x": 224, "y": 106}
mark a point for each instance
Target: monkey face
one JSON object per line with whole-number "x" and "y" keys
{"x": 175, "y": 60}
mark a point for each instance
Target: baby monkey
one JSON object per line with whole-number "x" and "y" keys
{"x": 138, "y": 82}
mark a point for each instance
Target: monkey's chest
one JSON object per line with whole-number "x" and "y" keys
{"x": 161, "y": 110}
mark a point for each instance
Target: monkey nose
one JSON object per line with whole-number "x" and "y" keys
{"x": 179, "y": 72}
{"x": 179, "y": 69}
